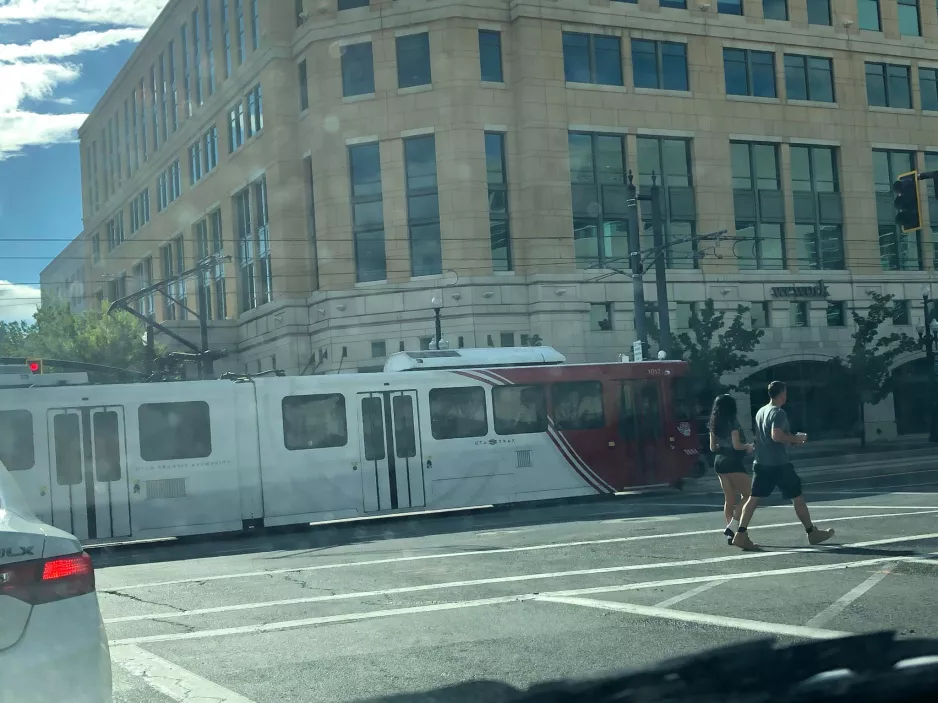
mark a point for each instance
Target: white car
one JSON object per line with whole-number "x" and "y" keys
{"x": 52, "y": 641}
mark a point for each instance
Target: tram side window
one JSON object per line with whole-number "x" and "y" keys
{"x": 107, "y": 446}
{"x": 172, "y": 431}
{"x": 68, "y": 451}
{"x": 458, "y": 412}
{"x": 17, "y": 451}
{"x": 684, "y": 406}
{"x": 578, "y": 405}
{"x": 519, "y": 409}
{"x": 373, "y": 428}
{"x": 314, "y": 421}
{"x": 405, "y": 431}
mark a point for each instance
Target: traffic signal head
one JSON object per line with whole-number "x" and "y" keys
{"x": 908, "y": 214}
{"x": 35, "y": 365}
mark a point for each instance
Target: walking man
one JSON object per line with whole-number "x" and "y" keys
{"x": 772, "y": 468}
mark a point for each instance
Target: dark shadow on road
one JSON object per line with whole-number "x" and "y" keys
{"x": 307, "y": 540}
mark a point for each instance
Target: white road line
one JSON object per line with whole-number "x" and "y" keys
{"x": 352, "y": 595}
{"x": 171, "y": 680}
{"x": 839, "y": 605}
{"x": 327, "y": 619}
{"x": 309, "y": 622}
{"x": 700, "y": 618}
{"x": 808, "y": 482}
{"x": 483, "y": 552}
{"x": 668, "y": 602}
{"x": 821, "y": 506}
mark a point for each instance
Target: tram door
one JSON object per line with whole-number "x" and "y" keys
{"x": 641, "y": 426}
{"x": 90, "y": 493}
{"x": 391, "y": 455}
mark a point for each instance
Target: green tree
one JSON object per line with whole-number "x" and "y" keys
{"x": 534, "y": 341}
{"x": 713, "y": 350}
{"x": 91, "y": 336}
{"x": 867, "y": 369}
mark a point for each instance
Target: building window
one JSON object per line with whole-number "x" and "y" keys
{"x": 175, "y": 181}
{"x": 254, "y": 258}
{"x": 819, "y": 12}
{"x": 197, "y": 57}
{"x": 351, "y": 4}
{"x": 255, "y": 121}
{"x": 759, "y": 315}
{"x": 809, "y": 78}
{"x": 236, "y": 127}
{"x": 930, "y": 203}
{"x": 909, "y": 23}
{"x": 868, "y": 15}
{"x": 174, "y": 99}
{"x": 686, "y": 312}
{"x": 303, "y": 79}
{"x": 211, "y": 149}
{"x": 497, "y": 177}
{"x": 836, "y": 316}
{"x": 897, "y": 251}
{"x": 239, "y": 16}
{"x": 154, "y": 110}
{"x": 676, "y": 4}
{"x": 195, "y": 162}
{"x": 815, "y": 185}
{"x": 423, "y": 207}
{"x": 928, "y": 86}
{"x": 172, "y": 257}
{"x": 759, "y": 206}
{"x": 255, "y": 26}
{"x": 358, "y": 69}
{"x": 730, "y": 7}
{"x": 592, "y": 58}
{"x": 490, "y": 55}
{"x": 669, "y": 160}
{"x": 162, "y": 191}
{"x": 186, "y": 76}
{"x": 900, "y": 313}
{"x": 367, "y": 212}
{"x": 775, "y": 9}
{"x": 226, "y": 36}
{"x": 888, "y": 85}
{"x": 164, "y": 109}
{"x": 115, "y": 231}
{"x": 600, "y": 199}
{"x": 749, "y": 72}
{"x": 798, "y": 313}
{"x": 379, "y": 350}
{"x": 95, "y": 248}
{"x": 210, "y": 45}
{"x": 413, "y": 60}
{"x": 659, "y": 64}
{"x": 600, "y": 317}
{"x": 140, "y": 210}
{"x": 143, "y": 120}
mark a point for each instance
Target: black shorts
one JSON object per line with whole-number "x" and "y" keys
{"x": 729, "y": 464}
{"x": 768, "y": 477}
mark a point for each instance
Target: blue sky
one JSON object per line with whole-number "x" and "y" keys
{"x": 57, "y": 57}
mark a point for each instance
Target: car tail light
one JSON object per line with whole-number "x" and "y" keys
{"x": 46, "y": 580}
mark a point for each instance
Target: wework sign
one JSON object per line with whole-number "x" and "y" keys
{"x": 818, "y": 290}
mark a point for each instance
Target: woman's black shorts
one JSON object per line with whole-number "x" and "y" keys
{"x": 729, "y": 463}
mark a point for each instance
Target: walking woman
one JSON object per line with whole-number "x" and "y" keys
{"x": 727, "y": 443}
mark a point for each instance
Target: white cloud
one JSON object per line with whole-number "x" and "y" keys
{"x": 127, "y": 13}
{"x": 17, "y": 302}
{"x": 63, "y": 101}
{"x": 69, "y": 45}
{"x": 29, "y": 71}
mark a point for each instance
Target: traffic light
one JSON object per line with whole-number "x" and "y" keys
{"x": 908, "y": 215}
{"x": 35, "y": 365}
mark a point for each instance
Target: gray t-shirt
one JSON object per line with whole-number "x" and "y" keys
{"x": 768, "y": 451}
{"x": 725, "y": 437}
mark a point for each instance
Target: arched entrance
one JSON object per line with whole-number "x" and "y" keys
{"x": 910, "y": 397}
{"x": 819, "y": 403}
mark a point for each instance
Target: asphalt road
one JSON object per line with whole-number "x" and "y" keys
{"x": 516, "y": 596}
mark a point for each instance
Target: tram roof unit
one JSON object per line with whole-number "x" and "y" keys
{"x": 19, "y": 376}
{"x": 473, "y": 358}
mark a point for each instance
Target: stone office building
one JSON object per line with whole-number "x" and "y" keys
{"x": 350, "y": 162}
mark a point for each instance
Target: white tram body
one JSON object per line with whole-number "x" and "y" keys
{"x": 168, "y": 459}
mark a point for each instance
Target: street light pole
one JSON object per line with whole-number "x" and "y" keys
{"x": 437, "y": 306}
{"x": 929, "y": 338}
{"x": 635, "y": 253}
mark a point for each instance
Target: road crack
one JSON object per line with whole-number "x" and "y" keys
{"x": 143, "y": 600}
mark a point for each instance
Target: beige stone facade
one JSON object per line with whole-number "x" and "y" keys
{"x": 318, "y": 314}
